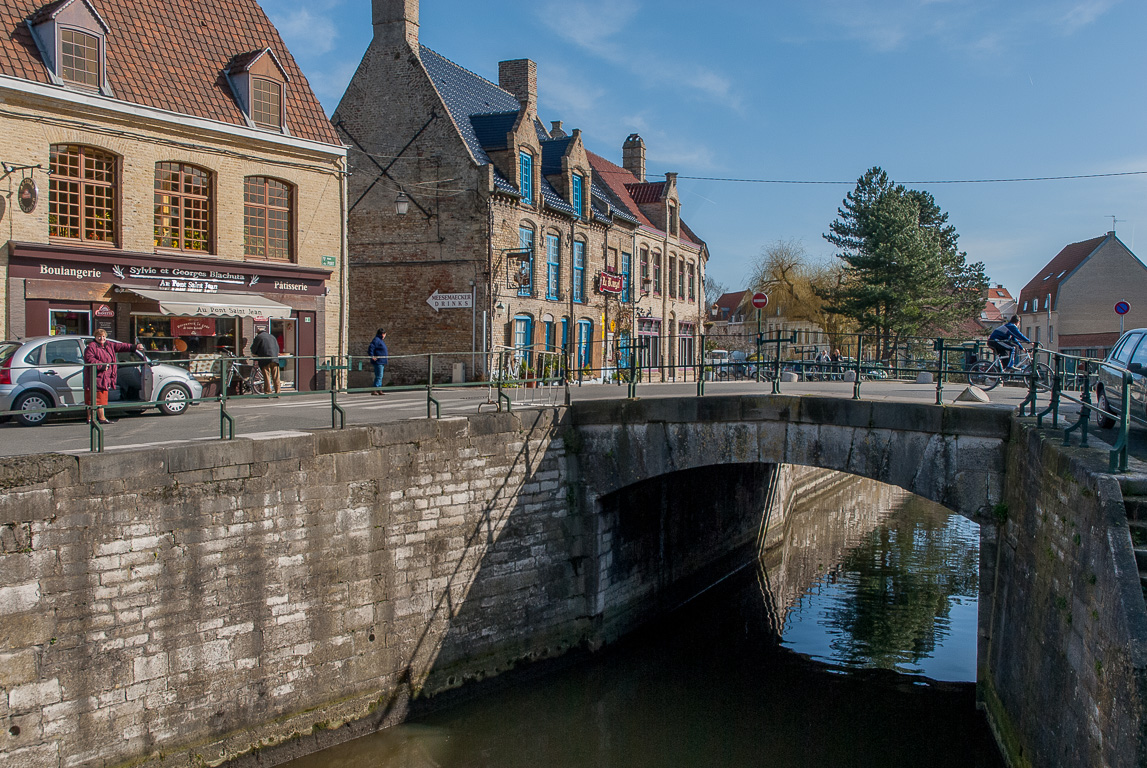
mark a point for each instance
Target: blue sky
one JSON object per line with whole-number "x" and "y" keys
{"x": 820, "y": 90}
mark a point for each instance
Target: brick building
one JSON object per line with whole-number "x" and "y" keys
{"x": 1068, "y": 306}
{"x": 537, "y": 243}
{"x": 196, "y": 188}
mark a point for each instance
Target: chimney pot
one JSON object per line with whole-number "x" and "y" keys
{"x": 556, "y": 129}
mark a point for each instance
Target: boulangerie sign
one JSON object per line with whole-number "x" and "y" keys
{"x": 192, "y": 326}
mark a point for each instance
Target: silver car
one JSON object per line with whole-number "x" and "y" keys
{"x": 48, "y": 371}
{"x": 1130, "y": 352}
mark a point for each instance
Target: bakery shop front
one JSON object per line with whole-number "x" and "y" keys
{"x": 188, "y": 311}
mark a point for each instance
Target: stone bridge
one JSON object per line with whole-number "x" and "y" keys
{"x": 951, "y": 455}
{"x": 257, "y": 598}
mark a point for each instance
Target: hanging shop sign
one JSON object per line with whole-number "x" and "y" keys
{"x": 28, "y": 194}
{"x": 610, "y": 282}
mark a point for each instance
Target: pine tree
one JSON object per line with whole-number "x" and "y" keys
{"x": 903, "y": 272}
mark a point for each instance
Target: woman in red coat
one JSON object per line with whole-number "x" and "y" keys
{"x": 100, "y": 356}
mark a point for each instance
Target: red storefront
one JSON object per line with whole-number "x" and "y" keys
{"x": 177, "y": 307}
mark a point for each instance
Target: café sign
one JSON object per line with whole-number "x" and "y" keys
{"x": 610, "y": 282}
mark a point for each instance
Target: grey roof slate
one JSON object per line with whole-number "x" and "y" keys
{"x": 466, "y": 94}
{"x": 615, "y": 207}
{"x": 553, "y": 150}
{"x": 554, "y": 201}
{"x": 491, "y": 130}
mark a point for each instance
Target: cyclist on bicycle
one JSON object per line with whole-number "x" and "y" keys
{"x": 1006, "y": 339}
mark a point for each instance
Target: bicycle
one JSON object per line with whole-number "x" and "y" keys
{"x": 250, "y": 378}
{"x": 987, "y": 375}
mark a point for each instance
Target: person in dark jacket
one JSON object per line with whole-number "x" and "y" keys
{"x": 378, "y": 357}
{"x": 100, "y": 357}
{"x": 265, "y": 350}
{"x": 1005, "y": 339}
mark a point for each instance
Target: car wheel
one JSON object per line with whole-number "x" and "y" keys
{"x": 174, "y": 400}
{"x": 1102, "y": 420}
{"x": 31, "y": 401}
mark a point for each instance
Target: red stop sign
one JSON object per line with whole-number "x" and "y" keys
{"x": 760, "y": 300}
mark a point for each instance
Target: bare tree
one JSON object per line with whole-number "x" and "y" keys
{"x": 714, "y": 289}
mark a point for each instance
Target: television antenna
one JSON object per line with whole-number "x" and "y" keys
{"x": 1114, "y": 220}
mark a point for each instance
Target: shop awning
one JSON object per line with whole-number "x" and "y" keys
{"x": 191, "y": 304}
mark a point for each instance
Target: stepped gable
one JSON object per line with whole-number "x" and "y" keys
{"x": 172, "y": 55}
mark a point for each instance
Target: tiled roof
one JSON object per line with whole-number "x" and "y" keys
{"x": 554, "y": 201}
{"x": 466, "y": 94}
{"x": 731, "y": 300}
{"x": 491, "y": 130}
{"x": 1048, "y": 279}
{"x": 1084, "y": 340}
{"x": 617, "y": 181}
{"x": 648, "y": 192}
{"x": 616, "y": 207}
{"x": 171, "y": 55}
{"x": 999, "y": 293}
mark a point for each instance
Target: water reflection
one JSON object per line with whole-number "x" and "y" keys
{"x": 871, "y": 581}
{"x": 876, "y": 578}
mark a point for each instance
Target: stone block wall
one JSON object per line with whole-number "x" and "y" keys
{"x": 1063, "y": 624}
{"x": 193, "y": 603}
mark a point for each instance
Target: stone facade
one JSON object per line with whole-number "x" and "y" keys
{"x": 519, "y": 216}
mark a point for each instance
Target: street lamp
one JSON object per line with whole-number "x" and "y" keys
{"x": 401, "y": 203}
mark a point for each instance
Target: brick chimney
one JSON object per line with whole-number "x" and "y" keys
{"x": 633, "y": 156}
{"x": 556, "y": 130}
{"x": 520, "y": 77}
{"x": 396, "y": 23}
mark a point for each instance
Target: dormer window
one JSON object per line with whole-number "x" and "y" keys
{"x": 80, "y": 57}
{"x": 266, "y": 103}
{"x": 579, "y": 194}
{"x": 526, "y": 170}
{"x": 673, "y": 218}
{"x": 260, "y": 85}
{"x": 71, "y": 37}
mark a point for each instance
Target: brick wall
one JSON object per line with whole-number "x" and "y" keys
{"x": 32, "y": 124}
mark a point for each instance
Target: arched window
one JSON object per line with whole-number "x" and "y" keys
{"x": 553, "y": 267}
{"x": 526, "y": 171}
{"x": 182, "y": 207}
{"x": 656, "y": 273}
{"x": 579, "y": 271}
{"x": 645, "y": 279}
{"x": 524, "y": 338}
{"x": 267, "y": 205}
{"x": 526, "y": 263}
{"x": 672, "y": 275}
{"x": 82, "y": 194}
{"x": 692, "y": 281}
{"x": 584, "y": 344}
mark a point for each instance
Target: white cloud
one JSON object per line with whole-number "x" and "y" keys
{"x": 602, "y": 29}
{"x": 304, "y": 32}
{"x": 976, "y": 26}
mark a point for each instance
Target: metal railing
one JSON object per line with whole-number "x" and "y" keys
{"x": 541, "y": 376}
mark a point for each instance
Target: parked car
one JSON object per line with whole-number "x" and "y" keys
{"x": 1129, "y": 352}
{"x": 48, "y": 371}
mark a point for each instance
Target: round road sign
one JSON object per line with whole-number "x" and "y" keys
{"x": 760, "y": 300}
{"x": 1122, "y": 308}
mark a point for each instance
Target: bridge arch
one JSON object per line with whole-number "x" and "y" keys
{"x": 952, "y": 455}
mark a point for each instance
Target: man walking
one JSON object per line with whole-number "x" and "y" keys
{"x": 378, "y": 357}
{"x": 265, "y": 350}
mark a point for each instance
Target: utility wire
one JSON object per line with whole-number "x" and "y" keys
{"x": 940, "y": 181}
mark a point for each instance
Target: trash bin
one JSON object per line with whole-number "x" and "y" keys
{"x": 459, "y": 374}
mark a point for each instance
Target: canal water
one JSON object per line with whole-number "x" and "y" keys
{"x": 852, "y": 645}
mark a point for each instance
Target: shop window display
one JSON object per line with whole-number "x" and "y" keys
{"x": 180, "y": 339}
